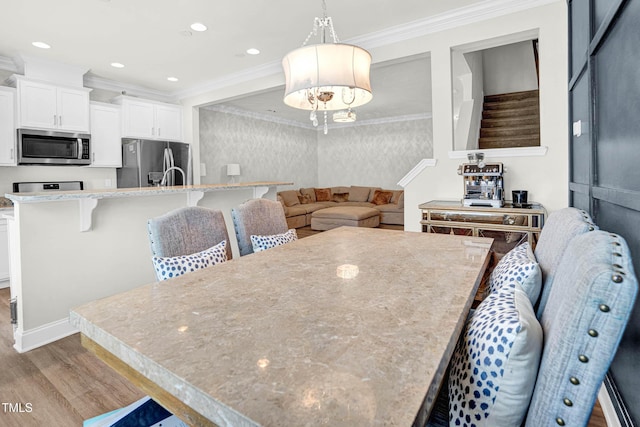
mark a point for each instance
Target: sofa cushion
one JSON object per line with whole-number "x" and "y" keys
{"x": 359, "y": 194}
{"x": 323, "y": 194}
{"x": 290, "y": 197}
{"x": 169, "y": 267}
{"x": 396, "y": 196}
{"x": 304, "y": 199}
{"x": 494, "y": 366}
{"x": 389, "y": 207}
{"x": 518, "y": 265}
{"x": 381, "y": 197}
{"x": 340, "y": 197}
{"x": 309, "y": 192}
{"x": 262, "y": 243}
{"x": 401, "y": 201}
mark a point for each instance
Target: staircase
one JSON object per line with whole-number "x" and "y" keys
{"x": 510, "y": 120}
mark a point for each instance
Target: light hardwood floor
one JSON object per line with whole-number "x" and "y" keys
{"x": 64, "y": 384}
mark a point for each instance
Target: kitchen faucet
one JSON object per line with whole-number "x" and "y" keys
{"x": 164, "y": 177}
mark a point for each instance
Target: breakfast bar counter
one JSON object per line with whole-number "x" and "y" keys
{"x": 350, "y": 327}
{"x": 72, "y": 247}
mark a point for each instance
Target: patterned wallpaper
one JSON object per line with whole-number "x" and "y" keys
{"x": 266, "y": 151}
{"x": 374, "y": 154}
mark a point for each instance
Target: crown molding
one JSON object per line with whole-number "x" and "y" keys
{"x": 221, "y": 108}
{"x": 446, "y": 21}
{"x": 248, "y": 74}
{"x": 120, "y": 88}
{"x": 268, "y": 118}
{"x": 8, "y": 64}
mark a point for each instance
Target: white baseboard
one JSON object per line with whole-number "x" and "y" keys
{"x": 608, "y": 409}
{"x": 42, "y": 335}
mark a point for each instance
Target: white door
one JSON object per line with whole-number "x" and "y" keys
{"x": 169, "y": 122}
{"x": 106, "y": 145}
{"x": 138, "y": 119}
{"x": 73, "y": 110}
{"x": 38, "y": 105}
{"x": 7, "y": 129}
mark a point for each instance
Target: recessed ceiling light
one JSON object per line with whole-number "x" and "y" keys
{"x": 197, "y": 26}
{"x": 172, "y": 79}
{"x": 253, "y": 51}
{"x": 41, "y": 45}
{"x": 117, "y": 65}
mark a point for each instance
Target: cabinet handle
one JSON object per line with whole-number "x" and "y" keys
{"x": 153, "y": 133}
{"x": 55, "y": 120}
{"x": 59, "y": 120}
{"x": 158, "y": 131}
{"x": 11, "y": 154}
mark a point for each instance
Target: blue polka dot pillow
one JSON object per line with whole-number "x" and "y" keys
{"x": 495, "y": 363}
{"x": 519, "y": 265}
{"x": 168, "y": 267}
{"x": 261, "y": 243}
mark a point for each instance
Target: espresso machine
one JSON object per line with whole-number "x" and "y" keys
{"x": 483, "y": 183}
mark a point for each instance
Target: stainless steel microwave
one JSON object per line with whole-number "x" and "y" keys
{"x": 41, "y": 147}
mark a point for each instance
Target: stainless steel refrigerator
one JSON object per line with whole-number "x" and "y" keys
{"x": 146, "y": 162}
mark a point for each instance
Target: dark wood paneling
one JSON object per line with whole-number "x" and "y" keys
{"x": 611, "y": 189}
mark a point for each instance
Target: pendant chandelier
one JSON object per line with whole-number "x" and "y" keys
{"x": 327, "y": 76}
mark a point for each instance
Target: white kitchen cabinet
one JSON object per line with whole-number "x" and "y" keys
{"x": 4, "y": 254}
{"x": 46, "y": 106}
{"x": 106, "y": 145}
{"x": 7, "y": 127}
{"x": 150, "y": 120}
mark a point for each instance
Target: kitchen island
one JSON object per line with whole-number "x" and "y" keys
{"x": 71, "y": 247}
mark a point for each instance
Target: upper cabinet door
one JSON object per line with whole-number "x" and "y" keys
{"x": 7, "y": 129}
{"x": 106, "y": 148}
{"x": 150, "y": 119}
{"x": 38, "y": 105}
{"x": 169, "y": 122}
{"x": 47, "y": 106}
{"x": 73, "y": 110}
{"x": 138, "y": 119}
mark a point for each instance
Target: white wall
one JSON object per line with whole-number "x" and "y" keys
{"x": 266, "y": 151}
{"x": 545, "y": 177}
{"x": 509, "y": 68}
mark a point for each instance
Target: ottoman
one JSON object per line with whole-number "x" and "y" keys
{"x": 354, "y": 216}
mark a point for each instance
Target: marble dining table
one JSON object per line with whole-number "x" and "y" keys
{"x": 349, "y": 327}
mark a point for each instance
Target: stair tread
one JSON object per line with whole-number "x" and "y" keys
{"x": 510, "y": 105}
{"x": 531, "y": 120}
{"x": 527, "y": 94}
{"x": 529, "y": 111}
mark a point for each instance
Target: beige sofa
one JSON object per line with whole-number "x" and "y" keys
{"x": 300, "y": 204}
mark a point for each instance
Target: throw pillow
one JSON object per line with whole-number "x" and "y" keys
{"x": 359, "y": 194}
{"x": 309, "y": 192}
{"x": 262, "y": 243}
{"x": 518, "y": 266}
{"x": 169, "y": 267}
{"x": 340, "y": 197}
{"x": 323, "y": 194}
{"x": 290, "y": 197}
{"x": 304, "y": 199}
{"x": 381, "y": 197}
{"x": 495, "y": 364}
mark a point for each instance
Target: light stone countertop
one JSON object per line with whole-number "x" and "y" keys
{"x": 48, "y": 196}
{"x": 276, "y": 338}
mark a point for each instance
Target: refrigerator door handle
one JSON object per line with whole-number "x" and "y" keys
{"x": 171, "y": 164}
